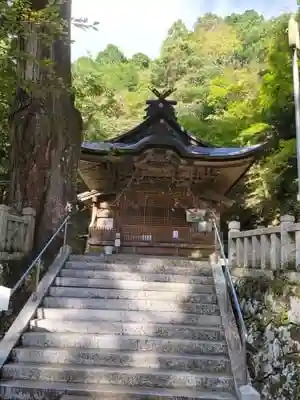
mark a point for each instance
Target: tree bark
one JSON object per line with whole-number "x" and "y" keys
{"x": 45, "y": 126}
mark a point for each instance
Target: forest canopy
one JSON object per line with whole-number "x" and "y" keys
{"x": 233, "y": 77}
{"x": 234, "y": 84}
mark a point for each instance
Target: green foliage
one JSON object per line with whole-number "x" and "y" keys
{"x": 111, "y": 55}
{"x": 141, "y": 60}
{"x": 17, "y": 17}
{"x": 19, "y": 20}
{"x": 234, "y": 88}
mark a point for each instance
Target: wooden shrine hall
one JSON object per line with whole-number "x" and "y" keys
{"x": 151, "y": 186}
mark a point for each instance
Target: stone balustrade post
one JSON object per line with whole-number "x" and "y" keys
{"x": 240, "y": 251}
{"x": 264, "y": 251}
{"x": 4, "y": 212}
{"x": 297, "y": 242}
{"x": 256, "y": 256}
{"x": 248, "y": 392}
{"x": 29, "y": 216}
{"x": 247, "y": 252}
{"x": 287, "y": 244}
{"x": 233, "y": 226}
{"x": 275, "y": 250}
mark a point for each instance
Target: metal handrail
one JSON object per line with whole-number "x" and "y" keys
{"x": 239, "y": 316}
{"x": 37, "y": 260}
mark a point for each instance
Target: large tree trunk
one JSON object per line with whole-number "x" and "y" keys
{"x": 45, "y": 127}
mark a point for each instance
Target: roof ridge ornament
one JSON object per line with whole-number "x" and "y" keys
{"x": 161, "y": 107}
{"x": 162, "y": 95}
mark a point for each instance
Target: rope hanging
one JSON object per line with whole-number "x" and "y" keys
{"x": 118, "y": 197}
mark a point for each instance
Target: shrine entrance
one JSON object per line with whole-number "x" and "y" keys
{"x": 153, "y": 215}
{"x": 156, "y": 223}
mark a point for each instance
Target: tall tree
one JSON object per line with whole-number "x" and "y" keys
{"x": 141, "y": 59}
{"x": 45, "y": 127}
{"x": 111, "y": 54}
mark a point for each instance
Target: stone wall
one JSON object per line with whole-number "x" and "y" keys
{"x": 271, "y": 310}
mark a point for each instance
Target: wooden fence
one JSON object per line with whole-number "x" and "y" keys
{"x": 16, "y": 232}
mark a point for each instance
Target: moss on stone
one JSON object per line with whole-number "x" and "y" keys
{"x": 266, "y": 303}
{"x": 295, "y": 332}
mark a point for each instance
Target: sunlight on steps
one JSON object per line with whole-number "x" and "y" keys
{"x": 137, "y": 329}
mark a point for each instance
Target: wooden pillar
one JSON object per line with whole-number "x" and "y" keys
{"x": 104, "y": 216}
{"x": 94, "y": 211}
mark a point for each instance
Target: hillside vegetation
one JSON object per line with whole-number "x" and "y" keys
{"x": 233, "y": 77}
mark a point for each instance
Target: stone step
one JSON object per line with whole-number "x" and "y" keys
{"x": 137, "y": 258}
{"x": 136, "y": 329}
{"x": 100, "y": 293}
{"x": 130, "y": 305}
{"x": 201, "y": 253}
{"x": 88, "y": 257}
{"x": 141, "y": 277}
{"x": 95, "y": 357}
{"x": 128, "y": 316}
{"x": 126, "y": 259}
{"x": 134, "y": 285}
{"x": 148, "y": 267}
{"x": 134, "y": 377}
{"x": 37, "y": 390}
{"x": 123, "y": 343}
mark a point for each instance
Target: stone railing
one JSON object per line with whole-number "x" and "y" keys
{"x": 271, "y": 247}
{"x": 16, "y": 232}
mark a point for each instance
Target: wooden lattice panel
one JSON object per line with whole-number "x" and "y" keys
{"x": 151, "y": 218}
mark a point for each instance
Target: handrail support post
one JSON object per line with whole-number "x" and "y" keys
{"x": 65, "y": 234}
{"x": 37, "y": 275}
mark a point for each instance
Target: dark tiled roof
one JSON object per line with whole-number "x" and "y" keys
{"x": 152, "y": 133}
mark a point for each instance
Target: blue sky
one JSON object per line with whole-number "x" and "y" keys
{"x": 141, "y": 25}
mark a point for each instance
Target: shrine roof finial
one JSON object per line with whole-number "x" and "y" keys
{"x": 161, "y": 107}
{"x": 162, "y": 95}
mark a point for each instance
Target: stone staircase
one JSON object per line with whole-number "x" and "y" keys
{"x": 134, "y": 328}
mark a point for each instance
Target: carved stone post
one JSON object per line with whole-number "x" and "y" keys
{"x": 4, "y": 211}
{"x": 275, "y": 251}
{"x": 264, "y": 251}
{"x": 240, "y": 251}
{"x": 287, "y": 245}
{"x": 29, "y": 216}
{"x": 256, "y": 256}
{"x": 247, "y": 252}
{"x": 248, "y": 392}
{"x": 234, "y": 226}
{"x": 297, "y": 241}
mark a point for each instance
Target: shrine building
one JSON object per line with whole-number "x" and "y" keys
{"x": 152, "y": 185}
